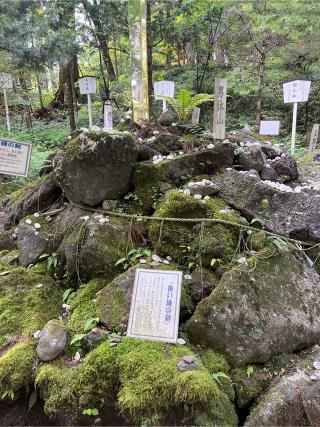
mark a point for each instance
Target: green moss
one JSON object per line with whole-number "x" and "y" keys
{"x": 251, "y": 380}
{"x": 16, "y": 367}
{"x": 56, "y": 384}
{"x": 151, "y": 385}
{"x": 258, "y": 240}
{"x": 144, "y": 380}
{"x": 83, "y": 305}
{"x": 27, "y": 301}
{"x": 186, "y": 240}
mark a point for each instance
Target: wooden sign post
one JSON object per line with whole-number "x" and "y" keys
{"x": 137, "y": 13}
{"x": 155, "y": 305}
{"x": 220, "y": 105}
{"x": 195, "y": 115}
{"x": 88, "y": 86}
{"x": 294, "y": 92}
{"x": 314, "y": 138}
{"x": 6, "y": 83}
{"x": 163, "y": 88}
{"x": 107, "y": 116}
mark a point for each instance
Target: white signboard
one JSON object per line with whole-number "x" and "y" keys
{"x": 195, "y": 115}
{"x": 296, "y": 91}
{"x": 220, "y": 106}
{"x": 155, "y": 305}
{"x": 314, "y": 138}
{"x": 269, "y": 127}
{"x": 14, "y": 157}
{"x": 163, "y": 88}
{"x": 87, "y": 85}
{"x": 6, "y": 81}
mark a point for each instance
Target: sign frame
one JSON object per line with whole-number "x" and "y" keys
{"x": 275, "y": 123}
{"x": 93, "y": 81}
{"x": 29, "y": 153}
{"x": 290, "y": 95}
{"x": 176, "y": 304}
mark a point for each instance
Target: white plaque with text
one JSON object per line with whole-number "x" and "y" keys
{"x": 87, "y": 85}
{"x": 296, "y": 91}
{"x": 155, "y": 305}
{"x": 14, "y": 157}
{"x": 163, "y": 88}
{"x": 269, "y": 127}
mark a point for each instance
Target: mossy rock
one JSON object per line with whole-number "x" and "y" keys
{"x": 143, "y": 380}
{"x": 35, "y": 197}
{"x": 186, "y": 241}
{"x": 251, "y": 380}
{"x": 16, "y": 368}
{"x": 27, "y": 301}
{"x": 92, "y": 249}
{"x": 256, "y": 313}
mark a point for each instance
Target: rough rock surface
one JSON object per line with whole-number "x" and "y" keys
{"x": 288, "y": 213}
{"x": 33, "y": 198}
{"x": 252, "y": 158}
{"x": 52, "y": 341}
{"x": 165, "y": 143}
{"x": 286, "y": 168}
{"x": 255, "y": 314}
{"x": 96, "y": 166}
{"x": 292, "y": 400}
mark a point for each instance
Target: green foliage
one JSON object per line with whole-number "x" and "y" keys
{"x": 250, "y": 369}
{"x": 132, "y": 257}
{"x": 278, "y": 242}
{"x": 184, "y": 104}
{"x": 91, "y": 412}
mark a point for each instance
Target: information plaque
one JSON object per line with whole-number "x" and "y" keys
{"x": 155, "y": 305}
{"x": 14, "y": 157}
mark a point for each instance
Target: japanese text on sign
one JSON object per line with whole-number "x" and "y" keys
{"x": 220, "y": 105}
{"x": 14, "y": 157}
{"x": 155, "y": 305}
{"x": 87, "y": 85}
{"x": 163, "y": 88}
{"x": 296, "y": 91}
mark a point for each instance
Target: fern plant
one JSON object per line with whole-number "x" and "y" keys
{"x": 184, "y": 104}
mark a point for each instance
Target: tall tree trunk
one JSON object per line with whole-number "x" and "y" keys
{"x": 261, "y": 75}
{"x": 70, "y": 100}
{"x": 149, "y": 53}
{"x": 26, "y": 108}
{"x": 40, "y": 92}
{"x": 115, "y": 54}
{"x": 60, "y": 95}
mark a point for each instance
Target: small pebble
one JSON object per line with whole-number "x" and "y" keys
{"x": 165, "y": 261}
{"x": 77, "y": 357}
{"x": 189, "y": 359}
{"x": 316, "y": 365}
{"x": 210, "y": 146}
{"x": 187, "y": 276}
{"x": 181, "y": 341}
{"x": 36, "y": 214}
{"x": 28, "y": 221}
{"x": 37, "y": 225}
{"x": 169, "y": 258}
{"x": 198, "y": 196}
{"x": 65, "y": 306}
{"x": 39, "y": 285}
{"x": 156, "y": 258}
{"x": 37, "y": 334}
{"x": 142, "y": 261}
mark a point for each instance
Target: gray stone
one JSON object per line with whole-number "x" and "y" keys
{"x": 165, "y": 119}
{"x": 52, "y": 341}
{"x": 252, "y": 322}
{"x": 252, "y": 158}
{"x": 269, "y": 174}
{"x": 165, "y": 143}
{"x": 293, "y": 399}
{"x": 286, "y": 168}
{"x": 189, "y": 359}
{"x": 184, "y": 366}
{"x": 38, "y": 197}
{"x": 92, "y": 339}
{"x": 291, "y": 214}
{"x": 145, "y": 153}
{"x": 96, "y": 167}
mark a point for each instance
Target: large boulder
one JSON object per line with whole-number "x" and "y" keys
{"x": 96, "y": 166}
{"x": 42, "y": 234}
{"x": 52, "y": 341}
{"x": 283, "y": 211}
{"x": 165, "y": 143}
{"x": 37, "y": 196}
{"x": 285, "y": 167}
{"x": 292, "y": 400}
{"x": 254, "y": 314}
